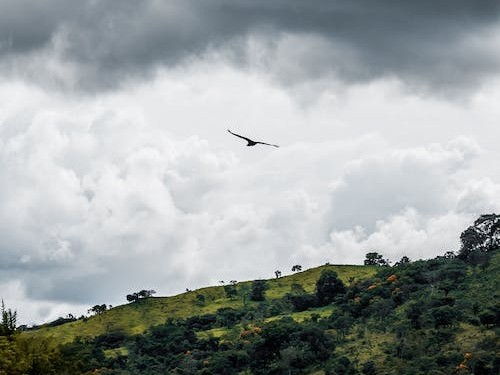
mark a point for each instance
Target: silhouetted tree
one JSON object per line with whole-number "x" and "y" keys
{"x": 146, "y": 293}
{"x": 375, "y": 259}
{"x": 403, "y": 260}
{"x": 449, "y": 255}
{"x": 97, "y": 309}
{"x": 481, "y": 237}
{"x": 132, "y": 297}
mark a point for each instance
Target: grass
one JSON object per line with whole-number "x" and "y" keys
{"x": 135, "y": 318}
{"x": 323, "y": 312}
{"x": 117, "y": 352}
{"x": 214, "y": 332}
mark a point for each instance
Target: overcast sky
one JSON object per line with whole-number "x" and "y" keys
{"x": 117, "y": 173}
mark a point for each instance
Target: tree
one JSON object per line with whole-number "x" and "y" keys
{"x": 403, "y": 260}
{"x": 146, "y": 293}
{"x": 98, "y": 309}
{"x": 289, "y": 356}
{"x": 328, "y": 287}
{"x": 258, "y": 290}
{"x": 244, "y": 292}
{"x": 489, "y": 317}
{"x": 455, "y": 271}
{"x": 481, "y": 237}
{"x": 414, "y": 313}
{"x": 297, "y": 268}
{"x": 443, "y": 316}
{"x": 375, "y": 259}
{"x": 230, "y": 290}
{"x": 369, "y": 368}
{"x": 449, "y": 255}
{"x": 132, "y": 297}
{"x": 342, "y": 324}
{"x": 8, "y": 323}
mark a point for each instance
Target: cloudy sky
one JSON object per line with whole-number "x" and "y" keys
{"x": 117, "y": 173}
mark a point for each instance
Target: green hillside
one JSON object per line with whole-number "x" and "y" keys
{"x": 439, "y": 316}
{"x": 136, "y": 317}
{"x": 428, "y": 317}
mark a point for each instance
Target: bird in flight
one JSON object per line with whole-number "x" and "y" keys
{"x": 250, "y": 142}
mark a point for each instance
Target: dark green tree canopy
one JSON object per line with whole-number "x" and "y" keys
{"x": 8, "y": 323}
{"x": 258, "y": 290}
{"x": 481, "y": 237}
{"x": 375, "y": 259}
{"x": 328, "y": 287}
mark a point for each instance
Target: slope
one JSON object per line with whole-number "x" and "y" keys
{"x": 137, "y": 317}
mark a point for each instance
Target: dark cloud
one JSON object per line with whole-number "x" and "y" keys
{"x": 427, "y": 43}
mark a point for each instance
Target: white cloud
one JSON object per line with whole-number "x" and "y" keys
{"x": 144, "y": 188}
{"x": 407, "y": 233}
{"x": 377, "y": 186}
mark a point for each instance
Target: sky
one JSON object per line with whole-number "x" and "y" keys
{"x": 117, "y": 173}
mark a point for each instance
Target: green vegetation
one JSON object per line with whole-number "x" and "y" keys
{"x": 137, "y": 317}
{"x": 439, "y": 316}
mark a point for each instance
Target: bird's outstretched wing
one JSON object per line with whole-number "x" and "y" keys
{"x": 269, "y": 144}
{"x": 250, "y": 141}
{"x": 240, "y": 136}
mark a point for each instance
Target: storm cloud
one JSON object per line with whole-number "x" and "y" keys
{"x": 445, "y": 45}
{"x": 117, "y": 173}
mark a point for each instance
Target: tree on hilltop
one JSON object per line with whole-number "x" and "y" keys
{"x": 375, "y": 259}
{"x": 297, "y": 268}
{"x": 134, "y": 297}
{"x": 98, "y": 309}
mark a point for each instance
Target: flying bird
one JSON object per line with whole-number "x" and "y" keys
{"x": 250, "y": 142}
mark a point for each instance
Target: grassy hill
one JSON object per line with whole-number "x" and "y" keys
{"x": 439, "y": 316}
{"x": 137, "y": 317}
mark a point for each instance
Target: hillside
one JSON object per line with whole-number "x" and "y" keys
{"x": 136, "y": 317}
{"x": 439, "y": 316}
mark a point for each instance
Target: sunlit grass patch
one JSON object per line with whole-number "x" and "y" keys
{"x": 214, "y": 332}
{"x": 116, "y": 352}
